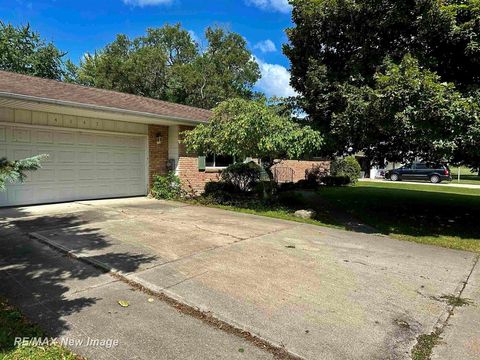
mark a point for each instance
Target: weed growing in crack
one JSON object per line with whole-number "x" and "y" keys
{"x": 424, "y": 347}
{"x": 456, "y": 301}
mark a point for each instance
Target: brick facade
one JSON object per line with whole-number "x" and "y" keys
{"x": 157, "y": 153}
{"x": 193, "y": 180}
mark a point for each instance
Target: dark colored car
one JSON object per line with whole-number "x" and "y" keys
{"x": 435, "y": 173}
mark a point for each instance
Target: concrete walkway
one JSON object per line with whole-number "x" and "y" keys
{"x": 319, "y": 293}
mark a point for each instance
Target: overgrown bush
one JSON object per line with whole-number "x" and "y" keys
{"x": 336, "y": 180}
{"x": 166, "y": 187}
{"x": 314, "y": 175}
{"x": 348, "y": 167}
{"x": 242, "y": 177}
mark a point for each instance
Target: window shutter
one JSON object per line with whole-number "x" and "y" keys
{"x": 201, "y": 163}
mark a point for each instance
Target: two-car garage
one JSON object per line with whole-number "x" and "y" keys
{"x": 81, "y": 164}
{"x": 100, "y": 143}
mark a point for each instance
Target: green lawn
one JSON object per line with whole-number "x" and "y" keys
{"x": 439, "y": 215}
{"x": 13, "y": 324}
{"x": 444, "y": 216}
{"x": 466, "y": 176}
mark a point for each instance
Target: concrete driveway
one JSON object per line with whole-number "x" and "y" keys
{"x": 319, "y": 293}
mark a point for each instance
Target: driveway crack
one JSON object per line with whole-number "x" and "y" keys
{"x": 426, "y": 342}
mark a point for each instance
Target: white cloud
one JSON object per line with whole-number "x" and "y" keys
{"x": 143, "y": 3}
{"x": 194, "y": 36}
{"x": 272, "y": 5}
{"x": 275, "y": 80}
{"x": 266, "y": 46}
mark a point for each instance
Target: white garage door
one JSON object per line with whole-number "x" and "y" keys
{"x": 81, "y": 165}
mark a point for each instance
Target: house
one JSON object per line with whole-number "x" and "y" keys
{"x": 101, "y": 143}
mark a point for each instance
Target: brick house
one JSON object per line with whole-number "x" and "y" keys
{"x": 101, "y": 144}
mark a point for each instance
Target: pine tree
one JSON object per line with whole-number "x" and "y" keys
{"x": 12, "y": 171}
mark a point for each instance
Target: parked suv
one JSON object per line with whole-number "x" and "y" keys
{"x": 420, "y": 171}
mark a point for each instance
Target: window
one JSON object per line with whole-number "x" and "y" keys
{"x": 219, "y": 161}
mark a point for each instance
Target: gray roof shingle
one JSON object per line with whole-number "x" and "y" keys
{"x": 19, "y": 84}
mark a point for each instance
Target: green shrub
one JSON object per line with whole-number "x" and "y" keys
{"x": 166, "y": 187}
{"x": 336, "y": 180}
{"x": 348, "y": 167}
{"x": 313, "y": 176}
{"x": 242, "y": 177}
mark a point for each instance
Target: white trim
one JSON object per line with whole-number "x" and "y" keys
{"x": 49, "y": 127}
{"x": 97, "y": 107}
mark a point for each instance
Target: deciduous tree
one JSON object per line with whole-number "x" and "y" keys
{"x": 243, "y": 128}
{"x": 24, "y": 51}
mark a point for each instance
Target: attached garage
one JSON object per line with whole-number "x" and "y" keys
{"x": 80, "y": 165}
{"x": 100, "y": 143}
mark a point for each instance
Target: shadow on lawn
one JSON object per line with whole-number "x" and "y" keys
{"x": 407, "y": 211}
{"x": 43, "y": 282}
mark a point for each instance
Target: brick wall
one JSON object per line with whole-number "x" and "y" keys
{"x": 157, "y": 153}
{"x": 300, "y": 167}
{"x": 193, "y": 180}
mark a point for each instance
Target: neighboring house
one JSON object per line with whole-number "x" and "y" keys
{"x": 101, "y": 143}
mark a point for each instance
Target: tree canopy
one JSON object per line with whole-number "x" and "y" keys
{"x": 363, "y": 62}
{"x": 407, "y": 113}
{"x": 166, "y": 63}
{"x": 24, "y": 51}
{"x": 243, "y": 128}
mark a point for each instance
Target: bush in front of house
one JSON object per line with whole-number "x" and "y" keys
{"x": 166, "y": 187}
{"x": 241, "y": 177}
{"x": 346, "y": 167}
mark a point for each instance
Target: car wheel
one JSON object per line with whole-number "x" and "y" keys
{"x": 394, "y": 177}
{"x": 434, "y": 179}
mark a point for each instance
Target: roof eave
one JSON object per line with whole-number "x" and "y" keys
{"x": 99, "y": 108}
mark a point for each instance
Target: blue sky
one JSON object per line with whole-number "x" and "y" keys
{"x": 83, "y": 26}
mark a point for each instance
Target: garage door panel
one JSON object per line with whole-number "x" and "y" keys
{"x": 3, "y": 134}
{"x": 103, "y": 157}
{"x": 20, "y": 153}
{"x": 20, "y": 194}
{"x": 67, "y": 174}
{"x": 80, "y": 165}
{"x": 65, "y": 138}
{"x": 22, "y": 135}
{"x": 66, "y": 156}
{"x": 46, "y": 194}
{"x": 43, "y": 175}
{"x": 44, "y": 137}
{"x": 86, "y": 139}
{"x": 105, "y": 174}
{"x": 87, "y": 174}
{"x": 85, "y": 156}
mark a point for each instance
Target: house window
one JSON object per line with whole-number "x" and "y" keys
{"x": 219, "y": 161}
